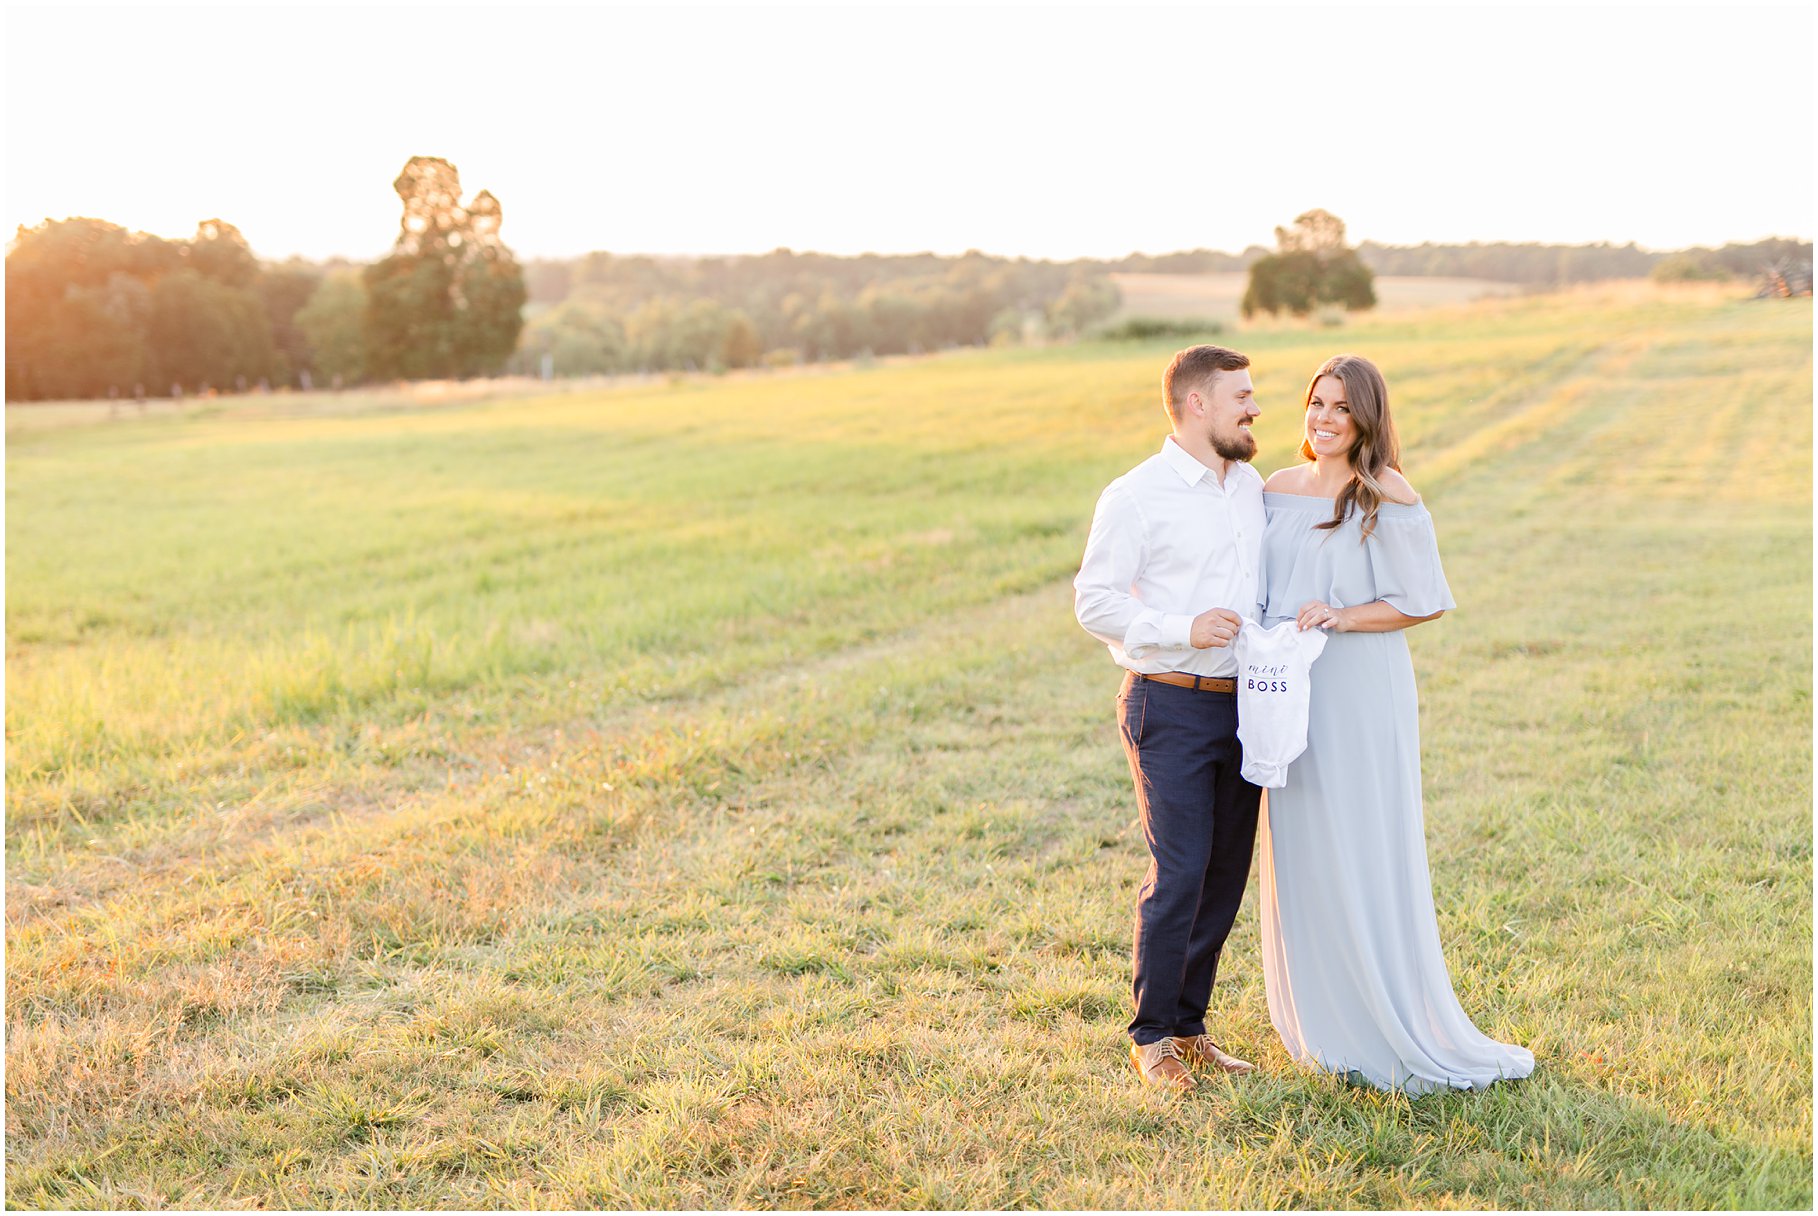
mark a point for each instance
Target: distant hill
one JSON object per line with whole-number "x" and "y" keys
{"x": 1215, "y": 297}
{"x": 1500, "y": 261}
{"x": 551, "y": 280}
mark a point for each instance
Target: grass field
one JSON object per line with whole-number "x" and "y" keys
{"x": 1217, "y": 296}
{"x": 700, "y": 794}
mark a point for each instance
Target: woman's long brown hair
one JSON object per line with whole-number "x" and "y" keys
{"x": 1373, "y": 446}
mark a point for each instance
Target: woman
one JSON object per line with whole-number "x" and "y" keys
{"x": 1351, "y": 956}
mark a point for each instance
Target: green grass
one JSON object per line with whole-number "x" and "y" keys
{"x": 698, "y": 794}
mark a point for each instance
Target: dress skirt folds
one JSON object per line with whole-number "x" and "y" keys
{"x": 1356, "y": 979}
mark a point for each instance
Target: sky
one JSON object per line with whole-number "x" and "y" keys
{"x": 1023, "y": 130}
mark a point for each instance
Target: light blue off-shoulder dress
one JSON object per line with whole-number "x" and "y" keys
{"x": 1351, "y": 955}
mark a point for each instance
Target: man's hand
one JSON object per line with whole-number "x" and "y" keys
{"x": 1215, "y": 627}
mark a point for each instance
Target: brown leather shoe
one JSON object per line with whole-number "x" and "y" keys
{"x": 1159, "y": 1064}
{"x": 1201, "y": 1050}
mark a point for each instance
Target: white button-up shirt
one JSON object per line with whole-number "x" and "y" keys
{"x": 1168, "y": 542}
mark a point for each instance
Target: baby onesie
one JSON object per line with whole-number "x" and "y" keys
{"x": 1273, "y": 682}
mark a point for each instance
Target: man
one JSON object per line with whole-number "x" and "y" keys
{"x": 1171, "y": 568}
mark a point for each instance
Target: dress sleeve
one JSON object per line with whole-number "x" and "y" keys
{"x": 1404, "y": 561}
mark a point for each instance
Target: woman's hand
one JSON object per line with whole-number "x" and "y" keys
{"x": 1315, "y": 615}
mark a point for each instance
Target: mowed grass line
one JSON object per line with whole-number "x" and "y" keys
{"x": 861, "y": 940}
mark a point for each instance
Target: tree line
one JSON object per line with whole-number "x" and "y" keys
{"x": 1533, "y": 264}
{"x": 607, "y": 313}
{"x": 93, "y": 310}
{"x": 1562, "y": 265}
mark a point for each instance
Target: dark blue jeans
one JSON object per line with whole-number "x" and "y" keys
{"x": 1199, "y": 818}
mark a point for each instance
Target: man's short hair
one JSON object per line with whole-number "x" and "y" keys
{"x": 1195, "y": 368}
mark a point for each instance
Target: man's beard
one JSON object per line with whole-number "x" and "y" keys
{"x": 1240, "y": 446}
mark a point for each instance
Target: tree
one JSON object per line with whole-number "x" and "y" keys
{"x": 114, "y": 354}
{"x": 284, "y": 290}
{"x": 77, "y": 308}
{"x": 409, "y": 323}
{"x": 219, "y": 252}
{"x": 93, "y": 309}
{"x": 1286, "y": 281}
{"x": 741, "y": 347}
{"x": 202, "y": 331}
{"x": 1347, "y": 282}
{"x": 334, "y": 323}
{"x": 449, "y": 299}
{"x": 582, "y": 338}
{"x": 1086, "y": 301}
{"x": 1689, "y": 267}
{"x": 1316, "y": 231}
{"x": 1311, "y": 266}
{"x": 84, "y": 344}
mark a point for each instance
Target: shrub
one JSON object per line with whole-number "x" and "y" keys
{"x": 1142, "y": 329}
{"x": 1689, "y": 267}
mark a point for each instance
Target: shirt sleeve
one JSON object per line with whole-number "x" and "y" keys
{"x": 1404, "y": 562}
{"x": 1102, "y": 599}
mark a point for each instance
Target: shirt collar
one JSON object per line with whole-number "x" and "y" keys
{"x": 1183, "y": 462}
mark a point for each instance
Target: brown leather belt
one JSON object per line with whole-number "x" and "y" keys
{"x": 1199, "y": 683}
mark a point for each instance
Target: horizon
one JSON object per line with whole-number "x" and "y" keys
{"x": 673, "y": 255}
{"x": 676, "y": 132}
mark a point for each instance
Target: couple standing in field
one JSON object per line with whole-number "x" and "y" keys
{"x": 1191, "y": 550}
